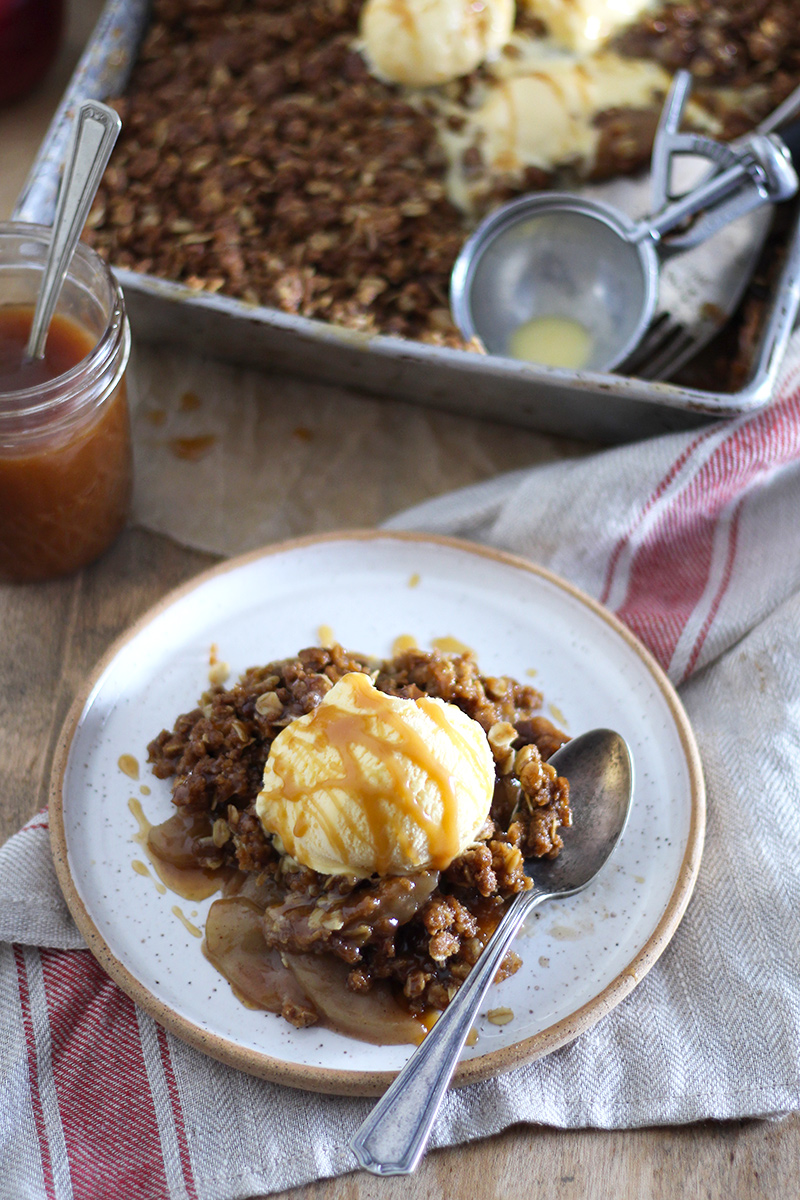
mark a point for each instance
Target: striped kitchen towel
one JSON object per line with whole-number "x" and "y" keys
{"x": 694, "y": 541}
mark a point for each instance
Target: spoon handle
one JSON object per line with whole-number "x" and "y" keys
{"x": 94, "y": 133}
{"x": 393, "y": 1138}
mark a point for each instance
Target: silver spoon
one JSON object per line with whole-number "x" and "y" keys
{"x": 94, "y": 133}
{"x": 599, "y": 768}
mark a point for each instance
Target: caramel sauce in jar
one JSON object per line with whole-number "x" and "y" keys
{"x": 65, "y": 446}
{"x": 67, "y": 344}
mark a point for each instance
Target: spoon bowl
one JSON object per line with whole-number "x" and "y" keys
{"x": 599, "y": 769}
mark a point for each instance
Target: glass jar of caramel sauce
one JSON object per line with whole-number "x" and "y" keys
{"x": 65, "y": 445}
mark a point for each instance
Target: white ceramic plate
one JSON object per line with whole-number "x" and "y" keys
{"x": 580, "y": 956}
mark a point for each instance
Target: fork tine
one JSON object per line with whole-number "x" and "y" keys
{"x": 675, "y": 350}
{"x": 657, "y": 330}
{"x": 659, "y": 333}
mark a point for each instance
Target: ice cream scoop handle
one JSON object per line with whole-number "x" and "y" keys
{"x": 393, "y": 1138}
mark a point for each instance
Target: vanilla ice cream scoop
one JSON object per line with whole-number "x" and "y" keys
{"x": 373, "y": 784}
{"x": 545, "y": 115}
{"x": 584, "y": 24}
{"x": 427, "y": 42}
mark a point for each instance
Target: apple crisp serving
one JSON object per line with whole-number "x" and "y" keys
{"x": 366, "y": 823}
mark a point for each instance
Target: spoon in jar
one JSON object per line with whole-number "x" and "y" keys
{"x": 94, "y": 132}
{"x": 599, "y": 768}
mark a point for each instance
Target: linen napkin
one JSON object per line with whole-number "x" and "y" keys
{"x": 694, "y": 541}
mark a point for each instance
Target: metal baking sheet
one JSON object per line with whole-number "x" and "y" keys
{"x": 608, "y": 408}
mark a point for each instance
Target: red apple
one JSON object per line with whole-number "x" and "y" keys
{"x": 30, "y": 31}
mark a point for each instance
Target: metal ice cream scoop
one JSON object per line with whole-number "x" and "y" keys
{"x": 564, "y": 267}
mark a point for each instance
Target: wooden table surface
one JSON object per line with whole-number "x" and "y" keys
{"x": 51, "y": 636}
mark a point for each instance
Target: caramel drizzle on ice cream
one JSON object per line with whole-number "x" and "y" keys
{"x": 365, "y": 747}
{"x": 349, "y": 734}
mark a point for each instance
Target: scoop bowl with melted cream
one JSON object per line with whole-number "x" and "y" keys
{"x": 370, "y": 784}
{"x": 556, "y": 279}
{"x": 552, "y": 341}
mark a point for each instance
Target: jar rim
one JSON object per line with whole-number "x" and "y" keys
{"x": 31, "y": 401}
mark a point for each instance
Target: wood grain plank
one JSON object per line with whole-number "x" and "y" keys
{"x": 737, "y": 1160}
{"x": 34, "y": 624}
{"x": 52, "y": 634}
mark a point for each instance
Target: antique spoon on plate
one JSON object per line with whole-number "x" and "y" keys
{"x": 599, "y": 768}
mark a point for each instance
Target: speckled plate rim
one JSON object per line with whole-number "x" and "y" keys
{"x": 359, "y": 1082}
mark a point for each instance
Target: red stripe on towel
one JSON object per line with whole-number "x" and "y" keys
{"x": 104, "y": 1097}
{"x": 726, "y": 578}
{"x": 648, "y": 505}
{"x": 39, "y": 820}
{"x": 33, "y": 1072}
{"x": 670, "y": 570}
